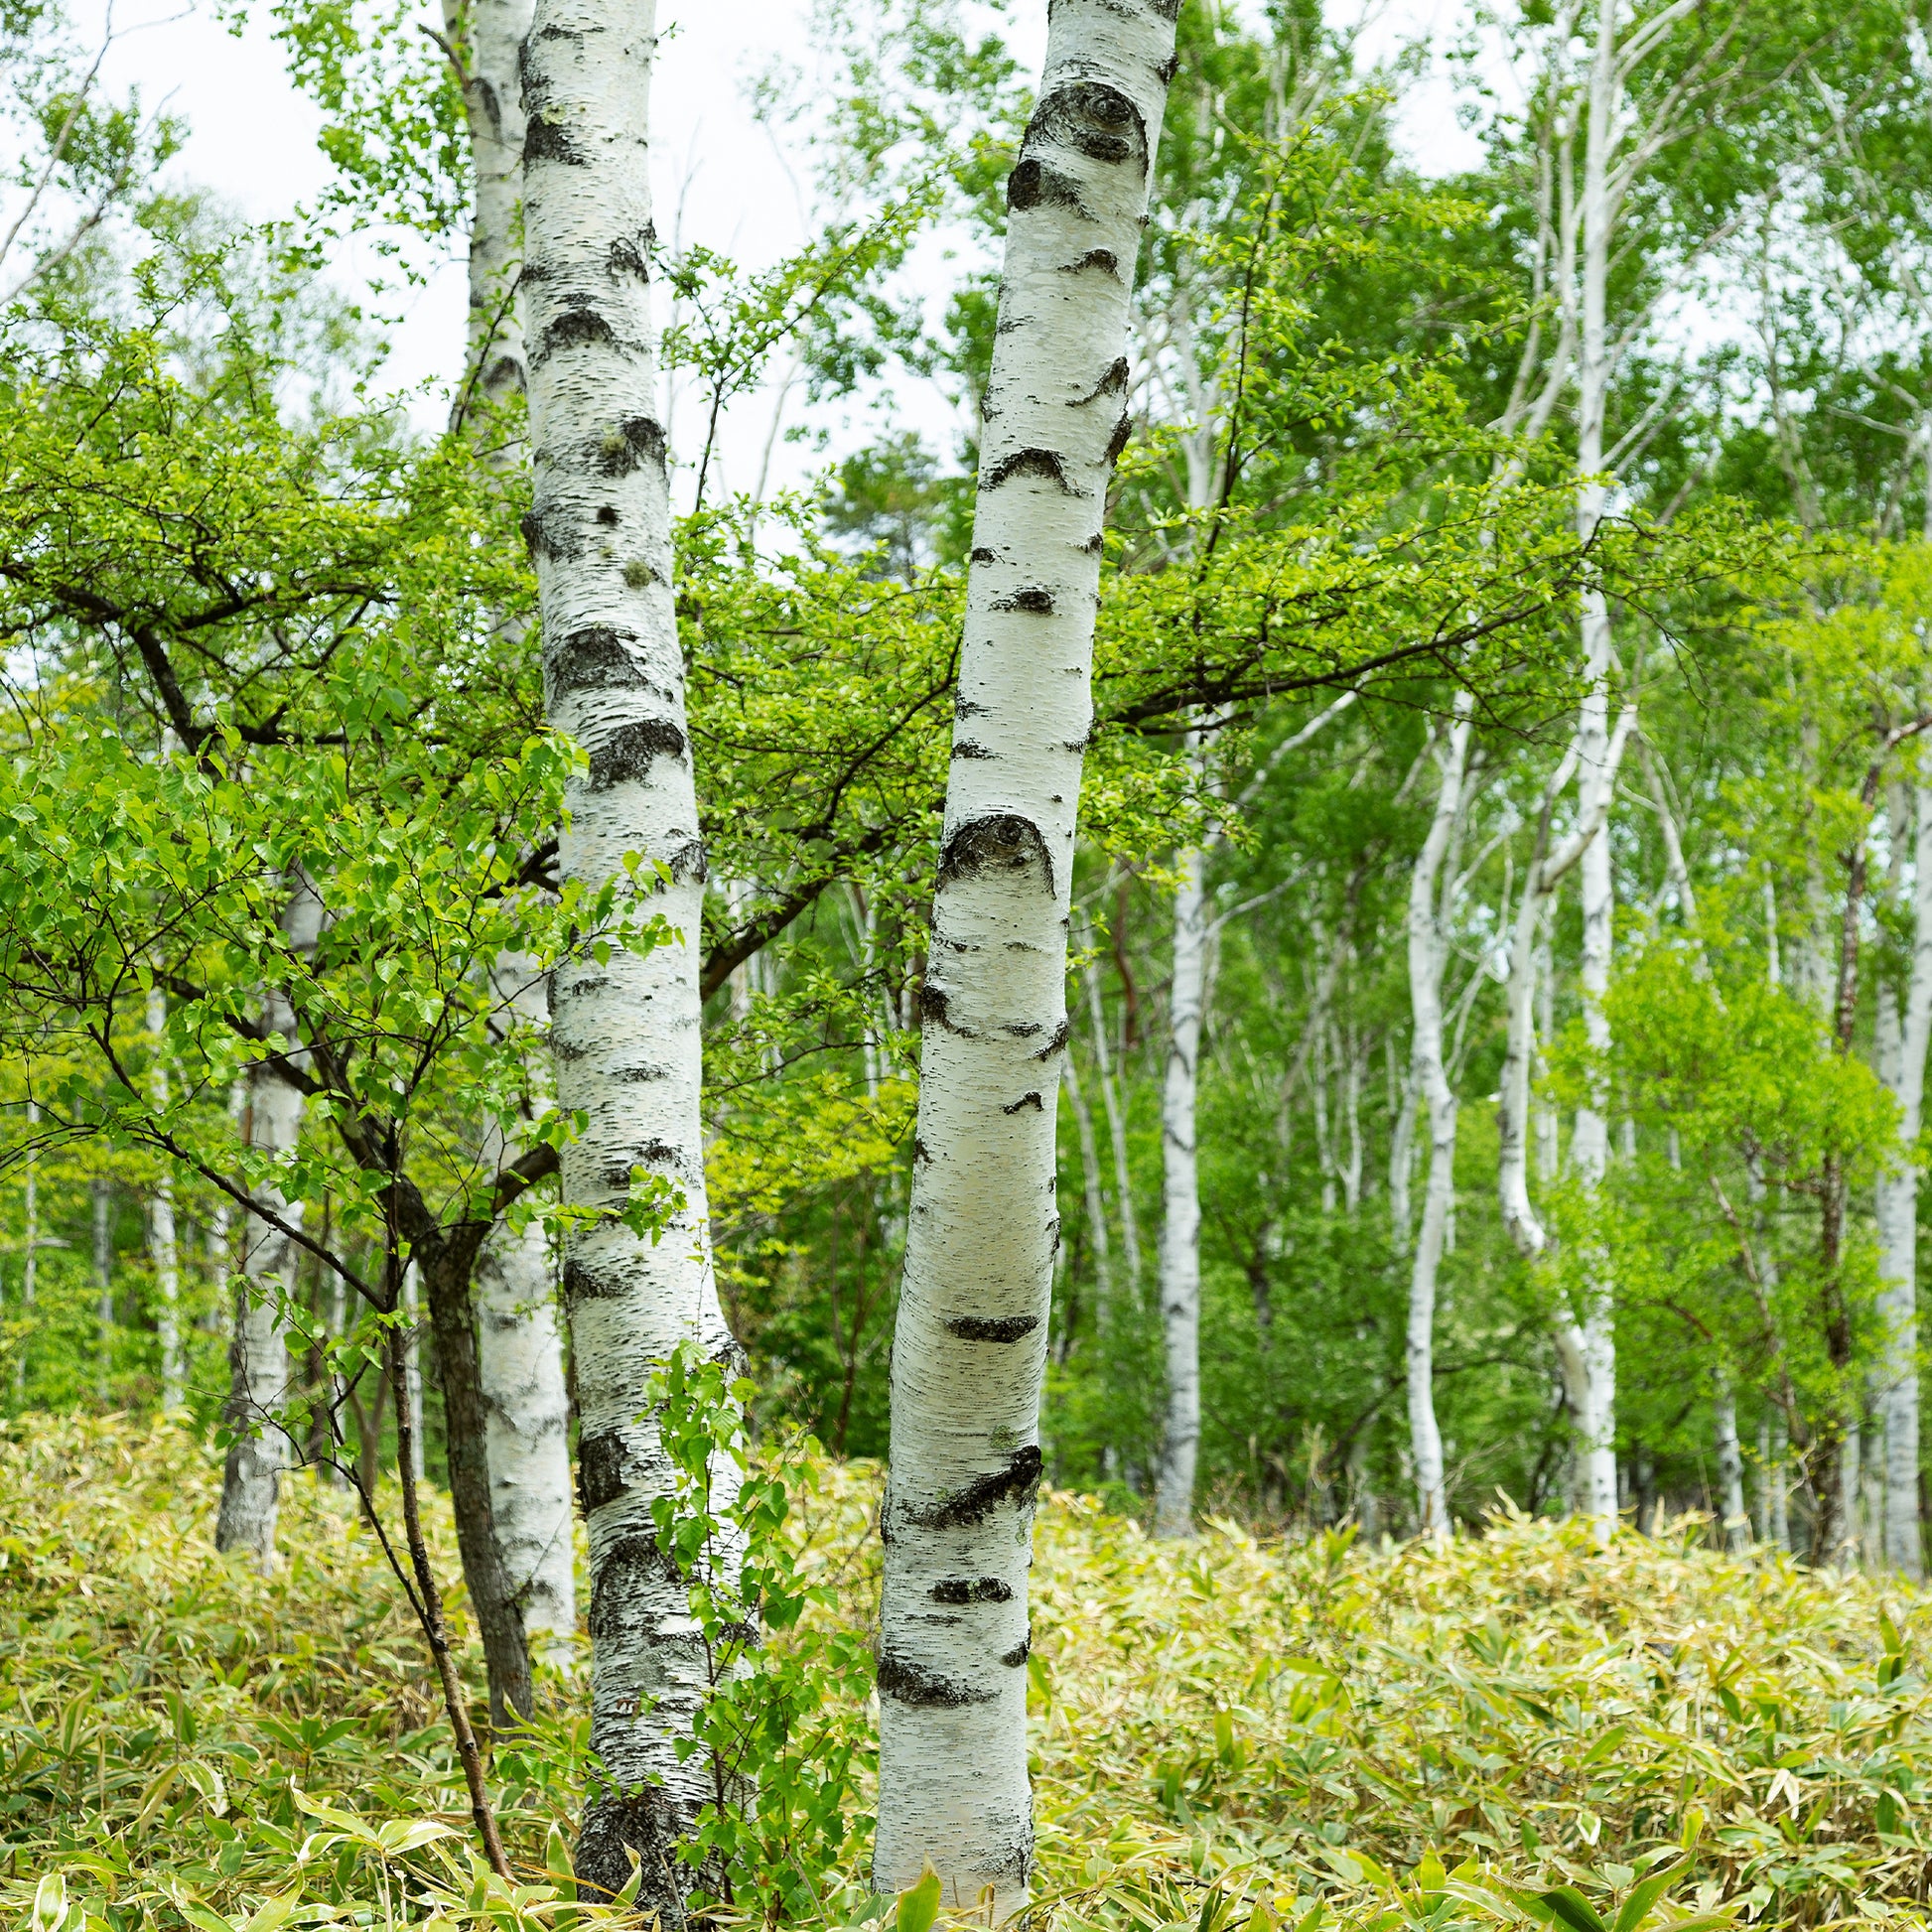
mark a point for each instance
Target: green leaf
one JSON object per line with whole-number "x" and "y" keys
{"x": 1565, "y": 1902}
{"x": 1637, "y": 1903}
{"x": 919, "y": 1906}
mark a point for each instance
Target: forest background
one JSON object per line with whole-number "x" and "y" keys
{"x": 1502, "y": 923}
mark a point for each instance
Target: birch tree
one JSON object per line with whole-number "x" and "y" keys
{"x": 258, "y": 1356}
{"x": 624, "y": 1020}
{"x": 1904, "y": 1029}
{"x": 1429, "y": 914}
{"x": 968, "y": 1347}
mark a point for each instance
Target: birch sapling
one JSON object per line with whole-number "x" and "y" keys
{"x": 969, "y": 1346}
{"x": 258, "y": 1356}
{"x": 1428, "y": 955}
{"x": 624, "y": 1025}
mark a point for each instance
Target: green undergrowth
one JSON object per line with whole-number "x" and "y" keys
{"x": 1230, "y": 1736}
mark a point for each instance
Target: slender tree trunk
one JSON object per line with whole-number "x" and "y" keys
{"x": 1591, "y": 1351}
{"x": 258, "y": 1356}
{"x": 519, "y": 1332}
{"x": 1904, "y": 1037}
{"x": 968, "y": 1347}
{"x": 1735, "y": 1524}
{"x": 30, "y": 1261}
{"x": 103, "y": 1200}
{"x": 412, "y": 1366}
{"x": 1110, "y": 1101}
{"x": 1427, "y": 951}
{"x": 626, "y": 1030}
{"x": 1173, "y": 1491}
{"x": 520, "y": 1347}
{"x": 1093, "y": 1198}
{"x": 164, "y": 1249}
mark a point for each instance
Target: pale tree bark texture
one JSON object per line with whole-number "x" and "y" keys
{"x": 521, "y": 1349}
{"x": 1428, "y": 917}
{"x": 625, "y": 1031}
{"x": 258, "y": 1356}
{"x": 968, "y": 1347}
{"x": 1174, "y": 1490}
{"x": 519, "y": 1333}
{"x": 164, "y": 1248}
{"x": 1904, "y": 1034}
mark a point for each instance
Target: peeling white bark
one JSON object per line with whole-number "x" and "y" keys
{"x": 258, "y": 1356}
{"x": 1179, "y": 1258}
{"x": 1428, "y": 954}
{"x": 1903, "y": 1038}
{"x": 626, "y": 1032}
{"x": 164, "y": 1249}
{"x": 969, "y": 1348}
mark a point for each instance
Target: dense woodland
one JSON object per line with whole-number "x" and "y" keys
{"x": 1379, "y": 777}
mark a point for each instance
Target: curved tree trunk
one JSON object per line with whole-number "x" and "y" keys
{"x": 969, "y": 1346}
{"x": 625, "y": 1031}
{"x": 258, "y": 1356}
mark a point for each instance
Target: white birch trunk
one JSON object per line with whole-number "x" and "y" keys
{"x": 1130, "y": 1226}
{"x": 1902, "y": 1069}
{"x": 519, "y": 1332}
{"x": 968, "y": 1347}
{"x": 1180, "y": 1261}
{"x": 1592, "y": 1348}
{"x": 1736, "y": 1524}
{"x": 412, "y": 1365}
{"x": 1428, "y": 949}
{"x": 488, "y": 36}
{"x": 258, "y": 1356}
{"x": 30, "y": 1260}
{"x": 520, "y": 1360}
{"x": 1093, "y": 1198}
{"x": 164, "y": 1248}
{"x": 626, "y": 1032}
{"x": 103, "y": 1200}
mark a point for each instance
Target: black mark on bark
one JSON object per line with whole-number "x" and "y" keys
{"x": 992, "y": 1327}
{"x": 1094, "y": 120}
{"x": 982, "y": 555}
{"x": 1118, "y": 441}
{"x": 1018, "y": 1654}
{"x": 572, "y": 329}
{"x": 971, "y": 1589}
{"x": 1113, "y": 384}
{"x": 1018, "y": 1482}
{"x": 1001, "y": 842}
{"x": 935, "y": 1004}
{"x": 1059, "y": 1039}
{"x": 584, "y": 1284}
{"x": 594, "y": 659}
{"x": 632, "y": 444}
{"x": 1030, "y": 463}
{"x": 1032, "y": 1100}
{"x": 601, "y": 1463}
{"x": 688, "y": 865}
{"x": 915, "y": 1685}
{"x": 545, "y": 140}
{"x": 651, "y": 1822}
{"x": 1033, "y": 183}
{"x": 629, "y": 750}
{"x": 1039, "y": 603}
{"x": 1094, "y": 258}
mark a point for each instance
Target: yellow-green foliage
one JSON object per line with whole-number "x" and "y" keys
{"x": 1229, "y": 1734}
